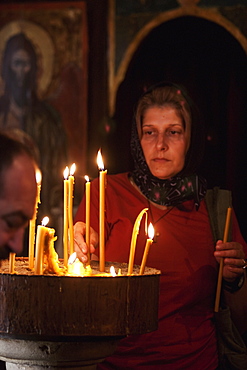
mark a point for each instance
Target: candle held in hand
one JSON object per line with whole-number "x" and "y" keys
{"x": 147, "y": 247}
{"x": 220, "y": 273}
{"x": 102, "y": 186}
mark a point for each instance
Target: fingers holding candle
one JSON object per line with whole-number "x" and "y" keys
{"x": 233, "y": 255}
{"x": 80, "y": 245}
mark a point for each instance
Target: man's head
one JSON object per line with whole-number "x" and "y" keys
{"x": 18, "y": 189}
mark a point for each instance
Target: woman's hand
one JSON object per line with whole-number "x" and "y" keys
{"x": 234, "y": 259}
{"x": 80, "y": 245}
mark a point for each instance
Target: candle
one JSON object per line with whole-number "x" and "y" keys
{"x": 147, "y": 247}
{"x": 135, "y": 232}
{"x": 32, "y": 222}
{"x": 65, "y": 216}
{"x": 12, "y": 263}
{"x": 50, "y": 255}
{"x": 219, "y": 283}
{"x": 88, "y": 193}
{"x": 70, "y": 208}
{"x": 42, "y": 231}
{"x": 102, "y": 185}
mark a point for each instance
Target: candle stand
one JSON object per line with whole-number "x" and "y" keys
{"x": 61, "y": 322}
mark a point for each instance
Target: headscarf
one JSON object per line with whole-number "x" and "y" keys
{"x": 186, "y": 185}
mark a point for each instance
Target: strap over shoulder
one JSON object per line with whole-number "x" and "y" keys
{"x": 217, "y": 201}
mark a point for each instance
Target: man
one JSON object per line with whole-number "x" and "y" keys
{"x": 18, "y": 190}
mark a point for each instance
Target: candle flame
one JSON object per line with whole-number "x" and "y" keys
{"x": 66, "y": 173}
{"x": 76, "y": 268}
{"x": 45, "y": 221}
{"x": 72, "y": 169}
{"x": 38, "y": 176}
{"x": 100, "y": 162}
{"x": 86, "y": 178}
{"x": 112, "y": 271}
{"x": 150, "y": 231}
{"x": 72, "y": 258}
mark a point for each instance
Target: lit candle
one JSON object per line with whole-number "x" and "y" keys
{"x": 75, "y": 267}
{"x": 12, "y": 263}
{"x": 102, "y": 185}
{"x": 32, "y": 222}
{"x": 70, "y": 207}
{"x": 147, "y": 247}
{"x": 112, "y": 271}
{"x": 65, "y": 216}
{"x": 88, "y": 193}
{"x": 135, "y": 232}
{"x": 42, "y": 231}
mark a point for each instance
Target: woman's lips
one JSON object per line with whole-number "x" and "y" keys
{"x": 160, "y": 160}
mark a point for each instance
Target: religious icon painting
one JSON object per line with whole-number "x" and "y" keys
{"x": 43, "y": 85}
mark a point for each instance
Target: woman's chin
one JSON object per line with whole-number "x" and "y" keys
{"x": 163, "y": 175}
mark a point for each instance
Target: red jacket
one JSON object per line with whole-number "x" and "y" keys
{"x": 183, "y": 251}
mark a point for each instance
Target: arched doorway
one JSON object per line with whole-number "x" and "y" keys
{"x": 210, "y": 62}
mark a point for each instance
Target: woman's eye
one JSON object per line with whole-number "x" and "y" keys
{"x": 148, "y": 132}
{"x": 174, "y": 132}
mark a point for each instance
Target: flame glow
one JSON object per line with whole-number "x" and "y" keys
{"x": 72, "y": 169}
{"x": 112, "y": 271}
{"x": 78, "y": 268}
{"x": 86, "y": 178}
{"x": 150, "y": 231}
{"x": 100, "y": 162}
{"x": 45, "y": 221}
{"x": 66, "y": 173}
{"x": 72, "y": 258}
{"x": 38, "y": 176}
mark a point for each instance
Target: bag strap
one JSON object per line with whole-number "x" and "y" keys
{"x": 217, "y": 201}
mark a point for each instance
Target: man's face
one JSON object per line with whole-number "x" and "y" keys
{"x": 17, "y": 204}
{"x": 21, "y": 66}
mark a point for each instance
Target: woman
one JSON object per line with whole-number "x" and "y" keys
{"x": 166, "y": 145}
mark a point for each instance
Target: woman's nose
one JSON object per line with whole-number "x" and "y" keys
{"x": 161, "y": 142}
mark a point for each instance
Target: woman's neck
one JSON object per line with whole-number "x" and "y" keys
{"x": 149, "y": 201}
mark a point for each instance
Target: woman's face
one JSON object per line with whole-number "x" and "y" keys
{"x": 164, "y": 141}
